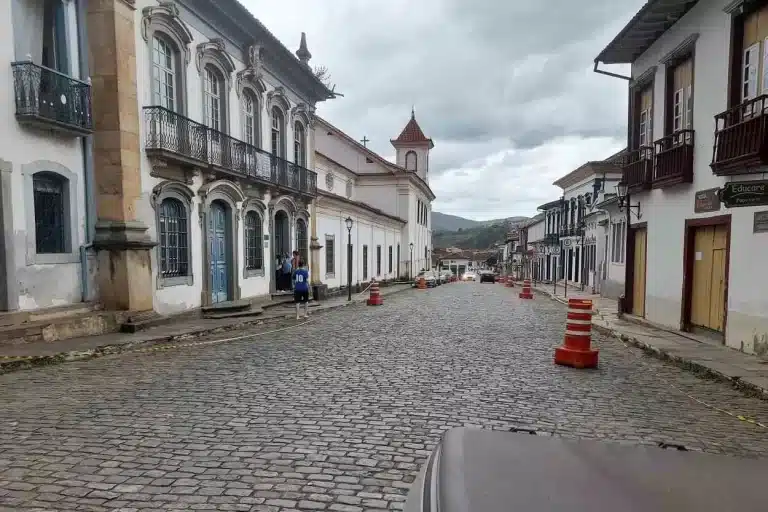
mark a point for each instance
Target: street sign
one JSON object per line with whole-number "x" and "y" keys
{"x": 745, "y": 193}
{"x": 761, "y": 222}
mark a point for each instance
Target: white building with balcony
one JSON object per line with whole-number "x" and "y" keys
{"x": 227, "y": 149}
{"x": 389, "y": 204}
{"x": 699, "y": 216}
{"x": 45, "y": 166}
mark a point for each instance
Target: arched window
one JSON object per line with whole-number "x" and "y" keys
{"x": 299, "y": 144}
{"x": 173, "y": 224}
{"x": 213, "y": 99}
{"x": 301, "y": 240}
{"x": 165, "y": 74}
{"x": 250, "y": 114}
{"x": 254, "y": 255}
{"x": 277, "y": 132}
{"x": 49, "y": 192}
{"x": 411, "y": 163}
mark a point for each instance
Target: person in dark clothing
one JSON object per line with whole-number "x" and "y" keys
{"x": 301, "y": 289}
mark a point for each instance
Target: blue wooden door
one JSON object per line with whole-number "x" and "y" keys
{"x": 217, "y": 234}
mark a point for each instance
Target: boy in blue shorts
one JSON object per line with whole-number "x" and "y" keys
{"x": 301, "y": 289}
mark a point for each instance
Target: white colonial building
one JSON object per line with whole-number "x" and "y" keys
{"x": 227, "y": 150}
{"x": 389, "y": 204}
{"x": 699, "y": 216}
{"x": 45, "y": 162}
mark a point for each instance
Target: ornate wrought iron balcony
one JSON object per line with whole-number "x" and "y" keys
{"x": 674, "y": 159}
{"x": 741, "y": 138}
{"x": 572, "y": 230}
{"x": 176, "y": 138}
{"x": 638, "y": 169}
{"x": 48, "y": 99}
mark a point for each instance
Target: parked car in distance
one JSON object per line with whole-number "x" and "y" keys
{"x": 487, "y": 277}
{"x": 476, "y": 470}
{"x": 469, "y": 276}
{"x": 429, "y": 277}
{"x": 447, "y": 276}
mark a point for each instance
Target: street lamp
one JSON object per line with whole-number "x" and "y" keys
{"x": 622, "y": 193}
{"x": 410, "y": 273}
{"x": 349, "y": 223}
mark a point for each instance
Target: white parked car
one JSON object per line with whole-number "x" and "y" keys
{"x": 429, "y": 276}
{"x": 469, "y": 276}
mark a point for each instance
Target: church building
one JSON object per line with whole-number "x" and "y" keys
{"x": 389, "y": 205}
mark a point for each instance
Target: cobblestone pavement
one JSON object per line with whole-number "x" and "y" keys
{"x": 339, "y": 413}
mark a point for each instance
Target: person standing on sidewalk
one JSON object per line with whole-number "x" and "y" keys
{"x": 301, "y": 289}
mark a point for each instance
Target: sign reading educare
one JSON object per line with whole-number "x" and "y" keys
{"x": 745, "y": 193}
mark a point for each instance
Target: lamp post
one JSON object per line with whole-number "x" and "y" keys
{"x": 349, "y": 222}
{"x": 622, "y": 193}
{"x": 410, "y": 272}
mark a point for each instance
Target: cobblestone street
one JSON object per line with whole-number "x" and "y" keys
{"x": 339, "y": 413}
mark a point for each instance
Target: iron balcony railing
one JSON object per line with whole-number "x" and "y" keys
{"x": 674, "y": 159}
{"x": 571, "y": 230}
{"x": 172, "y": 134}
{"x": 638, "y": 169}
{"x": 552, "y": 239}
{"x": 741, "y": 138}
{"x": 50, "y": 99}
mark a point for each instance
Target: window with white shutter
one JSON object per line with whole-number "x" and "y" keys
{"x": 749, "y": 75}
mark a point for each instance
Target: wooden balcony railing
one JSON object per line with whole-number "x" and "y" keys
{"x": 674, "y": 159}
{"x": 741, "y": 134}
{"x": 173, "y": 136}
{"x": 638, "y": 169}
{"x": 49, "y": 99}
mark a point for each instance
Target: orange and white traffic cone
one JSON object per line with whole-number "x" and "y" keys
{"x": 422, "y": 284}
{"x": 526, "y": 293}
{"x": 577, "y": 351}
{"x": 375, "y": 299}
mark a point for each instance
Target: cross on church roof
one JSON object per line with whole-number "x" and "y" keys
{"x": 365, "y": 140}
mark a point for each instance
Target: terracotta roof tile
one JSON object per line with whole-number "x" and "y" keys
{"x": 412, "y": 133}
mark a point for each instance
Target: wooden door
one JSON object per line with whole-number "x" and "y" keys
{"x": 708, "y": 286}
{"x": 638, "y": 283}
{"x": 219, "y": 253}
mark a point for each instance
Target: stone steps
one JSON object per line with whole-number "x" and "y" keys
{"x": 59, "y": 327}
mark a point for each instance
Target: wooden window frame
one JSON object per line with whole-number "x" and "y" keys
{"x": 644, "y": 82}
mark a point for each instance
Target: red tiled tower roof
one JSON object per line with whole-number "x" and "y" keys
{"x": 412, "y": 134}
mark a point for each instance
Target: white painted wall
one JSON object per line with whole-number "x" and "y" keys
{"x": 665, "y": 210}
{"x": 180, "y": 297}
{"x": 39, "y": 285}
{"x": 536, "y": 231}
{"x": 368, "y": 229}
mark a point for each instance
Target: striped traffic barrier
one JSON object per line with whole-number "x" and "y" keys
{"x": 526, "y": 293}
{"x": 576, "y": 350}
{"x": 375, "y": 298}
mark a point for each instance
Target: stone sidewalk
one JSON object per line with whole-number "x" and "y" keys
{"x": 745, "y": 371}
{"x": 13, "y": 357}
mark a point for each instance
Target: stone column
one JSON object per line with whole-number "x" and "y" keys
{"x": 122, "y": 243}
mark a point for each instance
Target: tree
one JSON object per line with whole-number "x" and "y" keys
{"x": 322, "y": 74}
{"x": 491, "y": 262}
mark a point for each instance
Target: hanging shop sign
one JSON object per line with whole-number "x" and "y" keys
{"x": 745, "y": 193}
{"x": 707, "y": 200}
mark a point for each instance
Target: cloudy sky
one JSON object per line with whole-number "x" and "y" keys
{"x": 505, "y": 88}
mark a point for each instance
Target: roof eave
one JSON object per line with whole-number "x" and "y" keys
{"x": 614, "y": 53}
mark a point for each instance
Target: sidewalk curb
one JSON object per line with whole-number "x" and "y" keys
{"x": 703, "y": 370}
{"x": 681, "y": 362}
{"x": 9, "y": 364}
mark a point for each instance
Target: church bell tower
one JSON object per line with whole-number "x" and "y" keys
{"x": 412, "y": 148}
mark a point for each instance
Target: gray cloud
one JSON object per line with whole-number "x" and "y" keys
{"x": 485, "y": 77}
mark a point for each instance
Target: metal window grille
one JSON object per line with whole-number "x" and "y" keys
{"x": 174, "y": 241}
{"x": 254, "y": 254}
{"x": 48, "y": 192}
